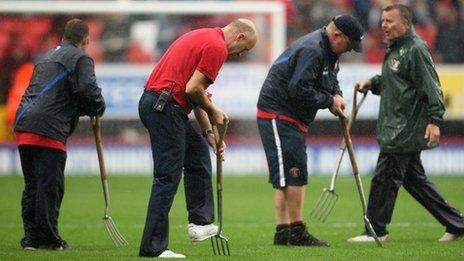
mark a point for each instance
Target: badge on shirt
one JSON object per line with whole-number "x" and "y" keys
{"x": 395, "y": 64}
{"x": 402, "y": 51}
{"x": 294, "y": 172}
{"x": 325, "y": 71}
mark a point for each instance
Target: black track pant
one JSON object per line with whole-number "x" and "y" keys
{"x": 43, "y": 170}
{"x": 396, "y": 169}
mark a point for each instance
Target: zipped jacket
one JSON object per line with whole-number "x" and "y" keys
{"x": 302, "y": 80}
{"x": 62, "y": 88}
{"x": 410, "y": 95}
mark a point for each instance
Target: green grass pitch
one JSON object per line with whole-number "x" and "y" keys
{"x": 248, "y": 222}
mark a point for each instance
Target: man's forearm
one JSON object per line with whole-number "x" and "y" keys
{"x": 202, "y": 118}
{"x": 197, "y": 96}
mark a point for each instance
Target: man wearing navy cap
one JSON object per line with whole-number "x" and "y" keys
{"x": 301, "y": 81}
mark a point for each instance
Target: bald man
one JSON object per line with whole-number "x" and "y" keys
{"x": 176, "y": 86}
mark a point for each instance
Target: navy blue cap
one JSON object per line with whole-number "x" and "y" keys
{"x": 352, "y": 28}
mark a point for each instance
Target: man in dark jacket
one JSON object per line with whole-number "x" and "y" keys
{"x": 411, "y": 112}
{"x": 63, "y": 87}
{"x": 300, "y": 82}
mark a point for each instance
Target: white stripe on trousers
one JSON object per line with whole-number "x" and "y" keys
{"x": 279, "y": 153}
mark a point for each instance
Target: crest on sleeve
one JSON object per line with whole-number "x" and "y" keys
{"x": 402, "y": 51}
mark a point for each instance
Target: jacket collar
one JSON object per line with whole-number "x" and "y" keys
{"x": 66, "y": 42}
{"x": 326, "y": 44}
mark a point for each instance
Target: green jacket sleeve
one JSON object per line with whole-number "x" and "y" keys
{"x": 375, "y": 84}
{"x": 425, "y": 77}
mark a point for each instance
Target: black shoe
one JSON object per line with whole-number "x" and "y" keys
{"x": 282, "y": 236}
{"x": 300, "y": 237}
{"x": 28, "y": 244}
{"x": 61, "y": 246}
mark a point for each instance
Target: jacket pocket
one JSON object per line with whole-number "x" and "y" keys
{"x": 393, "y": 135}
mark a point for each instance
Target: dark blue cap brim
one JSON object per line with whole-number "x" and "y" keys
{"x": 356, "y": 46}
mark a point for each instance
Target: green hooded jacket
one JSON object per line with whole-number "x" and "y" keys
{"x": 410, "y": 95}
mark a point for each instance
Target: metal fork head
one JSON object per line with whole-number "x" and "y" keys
{"x": 113, "y": 232}
{"x": 220, "y": 245}
{"x": 369, "y": 227}
{"x": 324, "y": 205}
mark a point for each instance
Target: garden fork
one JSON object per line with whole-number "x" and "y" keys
{"x": 113, "y": 232}
{"x": 219, "y": 242}
{"x": 326, "y": 202}
{"x": 357, "y": 177}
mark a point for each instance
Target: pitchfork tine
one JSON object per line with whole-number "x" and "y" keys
{"x": 117, "y": 235}
{"x": 220, "y": 245}
{"x": 116, "y": 239}
{"x": 315, "y": 211}
{"x": 113, "y": 236}
{"x": 123, "y": 240}
{"x": 212, "y": 246}
{"x": 217, "y": 246}
{"x": 108, "y": 231}
{"x": 227, "y": 247}
{"x": 329, "y": 208}
{"x": 223, "y": 249}
{"x": 323, "y": 211}
{"x": 324, "y": 205}
{"x": 111, "y": 232}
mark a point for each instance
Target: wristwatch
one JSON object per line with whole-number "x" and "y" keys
{"x": 207, "y": 132}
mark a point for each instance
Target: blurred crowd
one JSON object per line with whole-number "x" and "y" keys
{"x": 144, "y": 38}
{"x": 439, "y": 22}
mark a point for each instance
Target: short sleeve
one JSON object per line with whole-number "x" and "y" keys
{"x": 212, "y": 59}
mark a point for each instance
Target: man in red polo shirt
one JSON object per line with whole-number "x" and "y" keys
{"x": 176, "y": 87}
{"x": 62, "y": 88}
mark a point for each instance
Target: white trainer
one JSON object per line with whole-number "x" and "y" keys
{"x": 169, "y": 254}
{"x": 199, "y": 233}
{"x": 365, "y": 238}
{"x": 447, "y": 237}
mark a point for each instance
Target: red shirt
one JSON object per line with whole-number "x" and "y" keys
{"x": 29, "y": 138}
{"x": 204, "y": 50}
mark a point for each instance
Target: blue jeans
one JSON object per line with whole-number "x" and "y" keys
{"x": 176, "y": 146}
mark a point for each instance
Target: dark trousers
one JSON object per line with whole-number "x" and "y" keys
{"x": 396, "y": 169}
{"x": 43, "y": 170}
{"x": 176, "y": 146}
